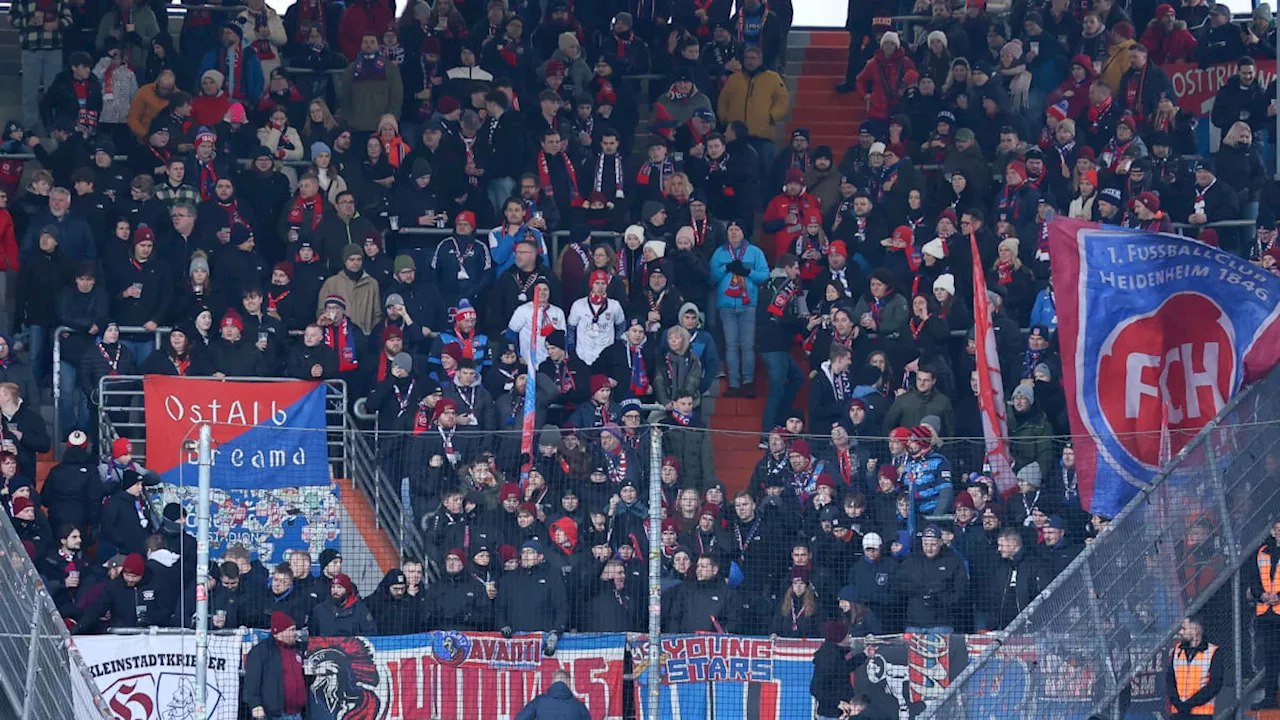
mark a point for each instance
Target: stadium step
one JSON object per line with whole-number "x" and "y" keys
{"x": 736, "y": 447}
{"x": 815, "y": 64}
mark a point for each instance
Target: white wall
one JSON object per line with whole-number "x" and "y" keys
{"x": 822, "y": 13}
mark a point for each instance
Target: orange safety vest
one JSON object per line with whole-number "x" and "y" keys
{"x": 1270, "y": 583}
{"x": 1193, "y": 675}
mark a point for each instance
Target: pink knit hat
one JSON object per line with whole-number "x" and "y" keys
{"x": 236, "y": 114}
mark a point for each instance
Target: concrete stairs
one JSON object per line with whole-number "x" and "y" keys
{"x": 815, "y": 64}
{"x": 735, "y": 426}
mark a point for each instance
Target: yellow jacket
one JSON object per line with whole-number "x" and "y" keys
{"x": 760, "y": 100}
{"x": 1116, "y": 64}
{"x": 147, "y": 104}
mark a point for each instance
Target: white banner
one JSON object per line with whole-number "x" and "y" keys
{"x": 145, "y": 677}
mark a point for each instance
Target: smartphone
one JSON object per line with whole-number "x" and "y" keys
{"x": 537, "y": 214}
{"x": 262, "y": 337}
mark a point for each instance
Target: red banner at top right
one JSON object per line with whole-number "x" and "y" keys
{"x": 1196, "y": 86}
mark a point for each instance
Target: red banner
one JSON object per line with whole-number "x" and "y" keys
{"x": 448, "y": 675}
{"x": 1196, "y": 86}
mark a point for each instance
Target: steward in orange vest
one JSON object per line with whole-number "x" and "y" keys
{"x": 1264, "y": 588}
{"x": 1194, "y": 676}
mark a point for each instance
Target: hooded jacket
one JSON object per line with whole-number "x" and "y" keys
{"x": 557, "y": 703}
{"x": 404, "y": 615}
{"x": 351, "y": 618}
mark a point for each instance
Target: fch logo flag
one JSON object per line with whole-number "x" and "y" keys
{"x": 1154, "y": 329}
{"x": 267, "y": 435}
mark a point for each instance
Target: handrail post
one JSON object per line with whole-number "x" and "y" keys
{"x": 205, "y": 449}
{"x": 655, "y": 571}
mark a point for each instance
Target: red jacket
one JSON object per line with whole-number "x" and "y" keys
{"x": 1079, "y": 99}
{"x": 775, "y": 218}
{"x": 362, "y": 17}
{"x": 1162, "y": 47}
{"x": 8, "y": 243}
{"x": 884, "y": 79}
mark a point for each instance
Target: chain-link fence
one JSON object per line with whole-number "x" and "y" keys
{"x": 42, "y": 675}
{"x": 1099, "y": 638}
{"x": 452, "y": 528}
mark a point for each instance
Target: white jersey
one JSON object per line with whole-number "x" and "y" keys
{"x": 522, "y": 324}
{"x": 595, "y": 332}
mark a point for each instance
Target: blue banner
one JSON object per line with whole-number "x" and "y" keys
{"x": 768, "y": 678}
{"x": 1157, "y": 333}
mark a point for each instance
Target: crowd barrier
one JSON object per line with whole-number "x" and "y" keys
{"x": 450, "y": 675}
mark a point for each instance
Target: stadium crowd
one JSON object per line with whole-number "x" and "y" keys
{"x": 306, "y": 196}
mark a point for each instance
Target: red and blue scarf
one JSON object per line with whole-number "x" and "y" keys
{"x": 339, "y": 337}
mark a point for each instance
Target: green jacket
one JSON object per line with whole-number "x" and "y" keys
{"x": 1031, "y": 439}
{"x": 692, "y": 447}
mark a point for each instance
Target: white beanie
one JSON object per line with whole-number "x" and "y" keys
{"x": 659, "y": 247}
{"x": 937, "y": 34}
{"x": 877, "y": 148}
{"x": 947, "y": 282}
{"x": 1010, "y": 244}
{"x": 935, "y": 248}
{"x": 890, "y": 37}
{"x": 637, "y": 230}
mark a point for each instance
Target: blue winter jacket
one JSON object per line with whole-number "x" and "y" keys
{"x": 756, "y": 263}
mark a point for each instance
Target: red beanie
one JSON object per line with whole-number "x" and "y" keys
{"x": 144, "y": 234}
{"x": 281, "y": 622}
{"x": 135, "y": 565}
{"x": 598, "y": 383}
{"x": 121, "y": 447}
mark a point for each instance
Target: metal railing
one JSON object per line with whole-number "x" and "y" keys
{"x": 58, "y": 398}
{"x": 42, "y": 675}
{"x": 1165, "y": 556}
{"x": 120, "y": 413}
{"x": 383, "y": 493}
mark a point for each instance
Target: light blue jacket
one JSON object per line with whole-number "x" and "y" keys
{"x": 755, "y": 261}
{"x": 1045, "y": 311}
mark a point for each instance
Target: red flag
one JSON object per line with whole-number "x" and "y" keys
{"x": 990, "y": 384}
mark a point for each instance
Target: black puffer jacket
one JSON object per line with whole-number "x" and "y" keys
{"x": 532, "y": 600}
{"x": 460, "y": 602}
{"x": 73, "y": 490}
{"x": 934, "y": 588}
